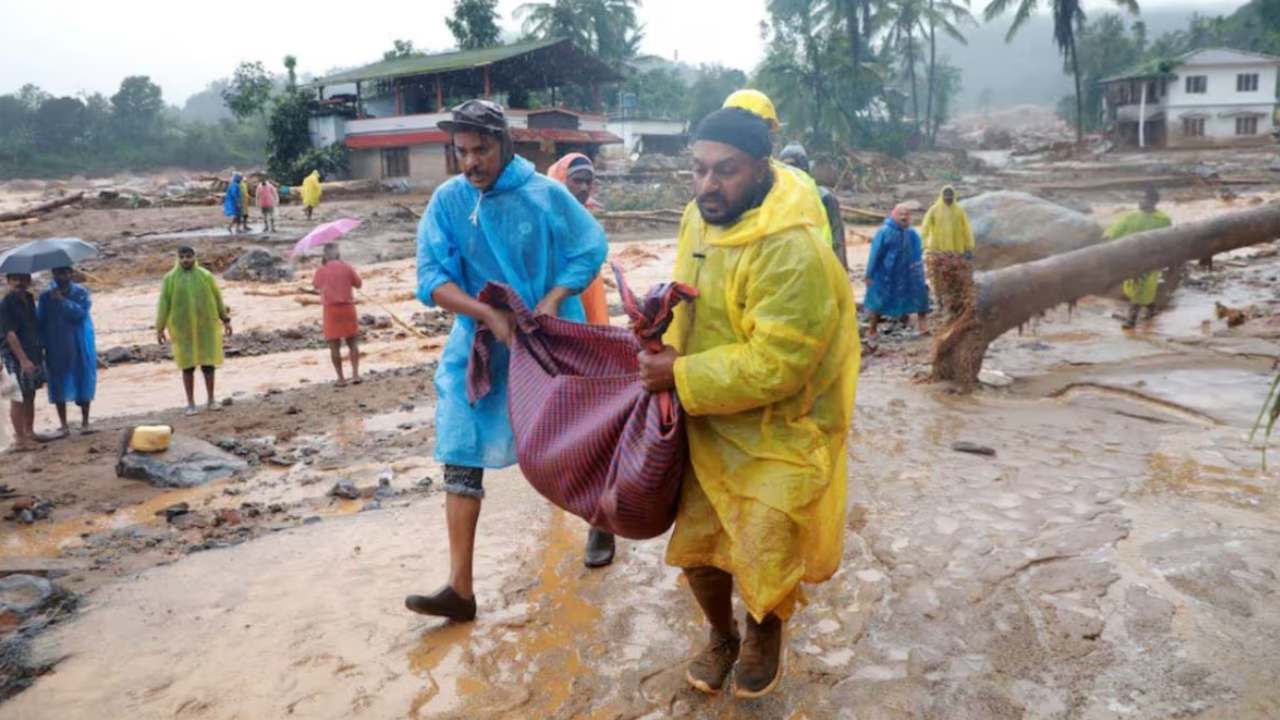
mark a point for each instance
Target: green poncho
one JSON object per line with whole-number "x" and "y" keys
{"x": 1142, "y": 289}
{"x": 192, "y": 310}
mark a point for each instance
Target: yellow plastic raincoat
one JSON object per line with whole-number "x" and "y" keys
{"x": 311, "y": 190}
{"x": 191, "y": 309}
{"x": 1141, "y": 290}
{"x": 946, "y": 228}
{"x": 767, "y": 374}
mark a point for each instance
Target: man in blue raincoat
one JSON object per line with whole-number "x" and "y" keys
{"x": 895, "y": 274}
{"x": 70, "y": 355}
{"x": 504, "y": 222}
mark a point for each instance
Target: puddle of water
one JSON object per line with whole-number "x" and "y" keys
{"x": 550, "y": 644}
{"x": 1191, "y": 312}
{"x": 1230, "y": 395}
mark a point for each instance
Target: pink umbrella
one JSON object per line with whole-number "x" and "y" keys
{"x": 325, "y": 234}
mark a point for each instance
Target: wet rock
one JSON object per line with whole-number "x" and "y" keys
{"x": 174, "y": 511}
{"x": 973, "y": 448}
{"x": 188, "y": 462}
{"x": 312, "y": 520}
{"x": 345, "y": 489}
{"x": 228, "y": 402}
{"x": 1014, "y": 227}
{"x": 994, "y": 378}
{"x": 371, "y": 505}
{"x": 192, "y": 520}
{"x": 227, "y": 516}
{"x": 425, "y": 483}
{"x": 27, "y": 595}
{"x": 260, "y": 265}
{"x": 117, "y": 355}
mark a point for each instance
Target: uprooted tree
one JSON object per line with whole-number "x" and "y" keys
{"x": 1007, "y": 298}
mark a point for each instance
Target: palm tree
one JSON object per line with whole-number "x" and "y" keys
{"x": 904, "y": 18}
{"x": 946, "y": 15}
{"x": 556, "y": 19}
{"x": 1068, "y": 15}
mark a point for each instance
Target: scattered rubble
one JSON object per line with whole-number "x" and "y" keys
{"x": 188, "y": 462}
{"x": 259, "y": 264}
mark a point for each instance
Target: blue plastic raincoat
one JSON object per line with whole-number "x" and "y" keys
{"x": 231, "y": 202}
{"x": 527, "y": 232}
{"x": 70, "y": 352}
{"x": 895, "y": 273}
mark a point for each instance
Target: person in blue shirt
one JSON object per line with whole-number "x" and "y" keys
{"x": 501, "y": 221}
{"x": 70, "y": 354}
{"x": 895, "y": 274}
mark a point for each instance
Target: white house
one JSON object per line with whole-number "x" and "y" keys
{"x": 1207, "y": 97}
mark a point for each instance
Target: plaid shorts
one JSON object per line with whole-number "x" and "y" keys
{"x": 465, "y": 481}
{"x": 28, "y": 383}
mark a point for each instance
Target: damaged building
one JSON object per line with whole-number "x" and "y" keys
{"x": 1209, "y": 97}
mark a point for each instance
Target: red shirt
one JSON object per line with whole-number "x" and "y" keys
{"x": 334, "y": 280}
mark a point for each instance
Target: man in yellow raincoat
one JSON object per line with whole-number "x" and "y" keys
{"x": 949, "y": 244}
{"x": 311, "y": 193}
{"x": 188, "y": 315}
{"x": 765, "y": 364}
{"x": 1141, "y": 290}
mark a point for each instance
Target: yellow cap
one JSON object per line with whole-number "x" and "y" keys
{"x": 756, "y": 102}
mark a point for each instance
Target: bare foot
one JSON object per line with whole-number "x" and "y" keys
{"x": 341, "y": 383}
{"x": 191, "y": 410}
{"x": 357, "y": 381}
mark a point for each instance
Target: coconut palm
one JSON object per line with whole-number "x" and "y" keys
{"x": 610, "y": 28}
{"x": 947, "y": 16}
{"x": 1068, "y": 15}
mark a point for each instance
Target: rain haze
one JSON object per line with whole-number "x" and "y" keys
{"x": 965, "y": 413}
{"x": 70, "y": 46}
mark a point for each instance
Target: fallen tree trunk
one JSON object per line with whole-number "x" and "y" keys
{"x": 1005, "y": 299}
{"x": 41, "y": 208}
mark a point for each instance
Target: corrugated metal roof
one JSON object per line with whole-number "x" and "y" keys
{"x": 442, "y": 62}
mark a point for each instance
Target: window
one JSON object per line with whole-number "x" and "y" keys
{"x": 1193, "y": 127}
{"x": 1197, "y": 84}
{"x": 395, "y": 162}
{"x": 1247, "y": 82}
{"x": 1247, "y": 125}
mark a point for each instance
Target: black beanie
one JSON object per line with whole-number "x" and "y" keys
{"x": 737, "y": 127}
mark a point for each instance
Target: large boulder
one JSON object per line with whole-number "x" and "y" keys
{"x": 187, "y": 463}
{"x": 260, "y": 265}
{"x": 1013, "y": 227}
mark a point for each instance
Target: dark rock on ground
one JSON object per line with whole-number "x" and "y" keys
{"x": 260, "y": 265}
{"x": 188, "y": 462}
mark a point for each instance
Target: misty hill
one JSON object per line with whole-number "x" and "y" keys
{"x": 1029, "y": 69}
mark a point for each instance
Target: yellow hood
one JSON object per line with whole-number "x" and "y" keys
{"x": 793, "y": 202}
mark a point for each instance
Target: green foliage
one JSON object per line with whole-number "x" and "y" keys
{"x": 608, "y": 28}
{"x": 44, "y": 136}
{"x": 660, "y": 94}
{"x": 401, "y": 49}
{"x": 474, "y": 23}
{"x": 291, "y": 72}
{"x": 712, "y": 86}
{"x": 136, "y": 108}
{"x": 288, "y": 136}
{"x": 331, "y": 161}
{"x": 1106, "y": 48}
{"x": 249, "y": 90}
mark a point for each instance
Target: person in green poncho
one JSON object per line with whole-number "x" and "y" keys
{"x": 1141, "y": 290}
{"x": 190, "y": 310}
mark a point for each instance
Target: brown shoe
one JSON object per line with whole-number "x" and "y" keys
{"x": 760, "y": 667}
{"x": 710, "y": 668}
{"x": 445, "y": 603}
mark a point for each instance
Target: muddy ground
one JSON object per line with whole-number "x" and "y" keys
{"x": 1116, "y": 558}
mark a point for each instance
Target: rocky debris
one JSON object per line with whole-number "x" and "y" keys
{"x": 188, "y": 462}
{"x": 345, "y": 489}
{"x": 41, "y": 566}
{"x": 117, "y": 354}
{"x": 174, "y": 511}
{"x": 433, "y": 321}
{"x": 27, "y": 509}
{"x": 260, "y": 265}
{"x": 28, "y": 604}
{"x": 377, "y": 322}
{"x": 1014, "y": 227}
{"x": 1233, "y": 316}
{"x": 994, "y": 378}
{"x": 973, "y": 448}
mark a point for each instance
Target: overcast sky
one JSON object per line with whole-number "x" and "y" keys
{"x": 68, "y": 46}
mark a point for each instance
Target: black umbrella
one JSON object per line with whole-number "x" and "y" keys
{"x": 45, "y": 254}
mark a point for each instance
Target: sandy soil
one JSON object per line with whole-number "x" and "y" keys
{"x": 1117, "y": 557}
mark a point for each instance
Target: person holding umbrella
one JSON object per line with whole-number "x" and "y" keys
{"x": 190, "y": 309}
{"x": 336, "y": 281}
{"x": 71, "y": 358}
{"x": 21, "y": 348}
{"x": 22, "y": 355}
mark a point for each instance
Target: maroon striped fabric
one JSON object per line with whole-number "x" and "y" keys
{"x": 588, "y": 436}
